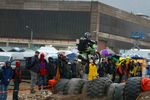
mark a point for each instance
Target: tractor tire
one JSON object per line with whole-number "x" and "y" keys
{"x": 74, "y": 86}
{"x": 59, "y": 86}
{"x": 111, "y": 91}
{"x": 119, "y": 92}
{"x": 133, "y": 88}
{"x": 97, "y": 88}
{"x": 86, "y": 91}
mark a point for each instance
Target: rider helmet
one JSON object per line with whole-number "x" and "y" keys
{"x": 87, "y": 35}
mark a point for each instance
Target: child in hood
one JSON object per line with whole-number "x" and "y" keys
{"x": 17, "y": 80}
{"x": 43, "y": 71}
{"x": 92, "y": 71}
{"x": 7, "y": 73}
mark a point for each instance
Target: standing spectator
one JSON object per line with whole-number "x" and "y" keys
{"x": 17, "y": 80}
{"x": 59, "y": 67}
{"x": 34, "y": 69}
{"x": 131, "y": 69}
{"x": 0, "y": 83}
{"x": 7, "y": 73}
{"x": 43, "y": 71}
{"x": 105, "y": 68}
{"x": 74, "y": 69}
{"x": 134, "y": 71}
{"x": 50, "y": 69}
{"x": 101, "y": 68}
{"x": 127, "y": 70}
{"x": 122, "y": 71}
{"x": 66, "y": 68}
{"x": 139, "y": 69}
{"x": 80, "y": 68}
{"x": 148, "y": 69}
{"x": 92, "y": 71}
{"x": 114, "y": 71}
{"x": 110, "y": 67}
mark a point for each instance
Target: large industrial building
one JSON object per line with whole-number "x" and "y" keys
{"x": 61, "y": 23}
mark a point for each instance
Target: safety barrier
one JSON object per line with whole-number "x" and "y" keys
{"x": 139, "y": 96}
{"x": 49, "y": 86}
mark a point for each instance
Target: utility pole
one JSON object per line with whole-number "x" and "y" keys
{"x": 31, "y": 35}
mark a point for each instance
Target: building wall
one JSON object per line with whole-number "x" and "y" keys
{"x": 116, "y": 26}
{"x": 45, "y": 24}
{"x": 68, "y": 20}
{"x": 115, "y": 12}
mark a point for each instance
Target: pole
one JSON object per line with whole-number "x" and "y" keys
{"x": 31, "y": 38}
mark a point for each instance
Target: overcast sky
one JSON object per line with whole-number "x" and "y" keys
{"x": 135, "y": 6}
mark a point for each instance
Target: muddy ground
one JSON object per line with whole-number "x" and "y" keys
{"x": 145, "y": 96}
{"x": 23, "y": 85}
{"x": 49, "y": 96}
{"x": 26, "y": 93}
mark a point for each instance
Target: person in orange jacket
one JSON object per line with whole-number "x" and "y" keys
{"x": 92, "y": 71}
{"x": 121, "y": 71}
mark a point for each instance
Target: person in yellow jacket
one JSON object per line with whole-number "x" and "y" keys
{"x": 134, "y": 71}
{"x": 92, "y": 71}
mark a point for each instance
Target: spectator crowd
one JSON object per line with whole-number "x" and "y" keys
{"x": 42, "y": 71}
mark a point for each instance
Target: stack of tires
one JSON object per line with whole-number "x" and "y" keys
{"x": 102, "y": 88}
{"x": 133, "y": 88}
{"x": 125, "y": 91}
{"x": 97, "y": 88}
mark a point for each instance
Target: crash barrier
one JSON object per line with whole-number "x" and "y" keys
{"x": 145, "y": 84}
{"x": 50, "y": 85}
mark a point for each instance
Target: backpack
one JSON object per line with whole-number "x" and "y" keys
{"x": 0, "y": 75}
{"x": 28, "y": 62}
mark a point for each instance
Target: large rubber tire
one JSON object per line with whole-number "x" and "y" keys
{"x": 59, "y": 86}
{"x": 133, "y": 88}
{"x": 97, "y": 88}
{"x": 119, "y": 92}
{"x": 74, "y": 86}
{"x": 111, "y": 91}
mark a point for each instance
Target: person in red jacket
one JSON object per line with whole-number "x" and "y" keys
{"x": 43, "y": 71}
{"x": 17, "y": 80}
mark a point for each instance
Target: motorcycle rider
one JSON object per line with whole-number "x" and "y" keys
{"x": 85, "y": 42}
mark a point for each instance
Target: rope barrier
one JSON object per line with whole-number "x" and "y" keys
{"x": 26, "y": 89}
{"x": 139, "y": 95}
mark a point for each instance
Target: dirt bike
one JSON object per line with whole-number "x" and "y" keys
{"x": 91, "y": 54}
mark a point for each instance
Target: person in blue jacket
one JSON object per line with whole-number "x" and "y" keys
{"x": 148, "y": 69}
{"x": 7, "y": 73}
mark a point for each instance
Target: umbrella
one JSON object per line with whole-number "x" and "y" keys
{"x": 137, "y": 57}
{"x": 71, "y": 57}
{"x": 107, "y": 52}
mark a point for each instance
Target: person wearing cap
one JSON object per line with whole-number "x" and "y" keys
{"x": 17, "y": 80}
{"x": 66, "y": 68}
{"x": 51, "y": 69}
{"x": 7, "y": 74}
{"x": 34, "y": 70}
